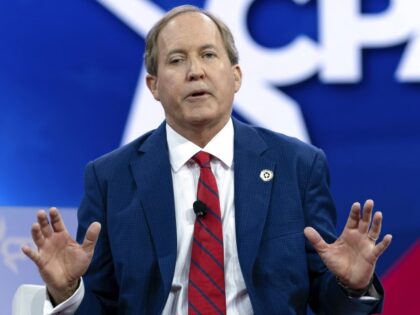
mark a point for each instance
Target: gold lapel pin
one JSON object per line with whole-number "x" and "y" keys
{"x": 266, "y": 175}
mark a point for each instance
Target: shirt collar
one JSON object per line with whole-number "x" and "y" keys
{"x": 182, "y": 150}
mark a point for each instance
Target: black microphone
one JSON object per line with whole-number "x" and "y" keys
{"x": 200, "y": 208}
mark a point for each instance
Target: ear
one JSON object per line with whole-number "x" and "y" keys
{"x": 152, "y": 84}
{"x": 237, "y": 75}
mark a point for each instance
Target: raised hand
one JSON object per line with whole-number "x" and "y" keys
{"x": 60, "y": 259}
{"x": 353, "y": 256}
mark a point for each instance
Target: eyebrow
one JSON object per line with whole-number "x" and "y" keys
{"x": 204, "y": 47}
{"x": 181, "y": 51}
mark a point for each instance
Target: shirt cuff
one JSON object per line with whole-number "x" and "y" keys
{"x": 69, "y": 306}
{"x": 371, "y": 295}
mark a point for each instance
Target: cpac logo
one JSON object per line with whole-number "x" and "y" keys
{"x": 343, "y": 30}
{"x": 10, "y": 248}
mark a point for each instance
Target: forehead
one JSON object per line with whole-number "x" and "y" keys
{"x": 189, "y": 30}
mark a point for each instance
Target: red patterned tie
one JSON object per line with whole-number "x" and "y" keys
{"x": 206, "y": 288}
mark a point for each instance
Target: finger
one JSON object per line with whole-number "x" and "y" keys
{"x": 366, "y": 217}
{"x": 57, "y": 222}
{"x": 382, "y": 246}
{"x": 31, "y": 254}
{"x": 354, "y": 216}
{"x": 375, "y": 229}
{"x": 46, "y": 228}
{"x": 315, "y": 239}
{"x": 91, "y": 237}
{"x": 37, "y": 236}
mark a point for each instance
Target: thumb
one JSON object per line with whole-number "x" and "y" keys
{"x": 315, "y": 239}
{"x": 91, "y": 237}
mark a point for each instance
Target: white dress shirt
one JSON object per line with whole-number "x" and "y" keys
{"x": 185, "y": 174}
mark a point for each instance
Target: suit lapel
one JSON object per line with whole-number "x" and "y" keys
{"x": 252, "y": 194}
{"x": 152, "y": 173}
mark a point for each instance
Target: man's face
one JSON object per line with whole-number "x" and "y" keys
{"x": 195, "y": 80}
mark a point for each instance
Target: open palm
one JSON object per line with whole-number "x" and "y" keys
{"x": 60, "y": 259}
{"x": 353, "y": 256}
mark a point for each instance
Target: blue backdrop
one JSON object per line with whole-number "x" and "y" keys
{"x": 69, "y": 78}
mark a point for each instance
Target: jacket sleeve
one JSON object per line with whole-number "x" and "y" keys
{"x": 326, "y": 296}
{"x": 101, "y": 287}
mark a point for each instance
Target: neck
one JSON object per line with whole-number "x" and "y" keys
{"x": 200, "y": 135}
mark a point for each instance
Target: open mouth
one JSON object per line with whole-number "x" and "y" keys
{"x": 198, "y": 94}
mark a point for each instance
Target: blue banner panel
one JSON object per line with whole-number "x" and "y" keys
{"x": 15, "y": 232}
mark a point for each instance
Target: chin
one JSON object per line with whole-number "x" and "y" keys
{"x": 206, "y": 120}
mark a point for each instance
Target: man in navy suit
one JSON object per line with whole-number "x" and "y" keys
{"x": 136, "y": 221}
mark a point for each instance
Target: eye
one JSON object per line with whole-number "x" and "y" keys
{"x": 175, "y": 60}
{"x": 209, "y": 55}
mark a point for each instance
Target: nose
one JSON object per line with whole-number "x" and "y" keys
{"x": 195, "y": 71}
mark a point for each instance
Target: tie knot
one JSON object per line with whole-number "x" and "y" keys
{"x": 202, "y": 159}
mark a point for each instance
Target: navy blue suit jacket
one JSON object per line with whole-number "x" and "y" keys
{"x": 129, "y": 191}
